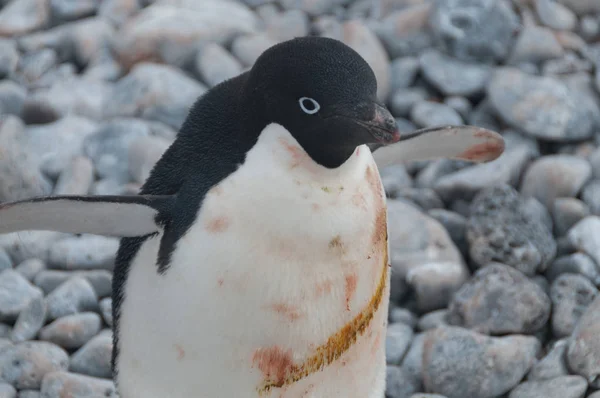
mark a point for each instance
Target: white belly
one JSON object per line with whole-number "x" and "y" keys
{"x": 279, "y": 290}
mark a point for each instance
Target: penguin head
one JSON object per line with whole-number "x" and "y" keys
{"x": 324, "y": 93}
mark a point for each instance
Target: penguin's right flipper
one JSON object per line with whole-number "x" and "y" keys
{"x": 109, "y": 215}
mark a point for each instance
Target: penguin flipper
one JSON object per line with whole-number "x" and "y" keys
{"x": 109, "y": 215}
{"x": 470, "y": 143}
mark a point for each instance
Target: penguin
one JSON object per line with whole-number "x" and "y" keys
{"x": 254, "y": 261}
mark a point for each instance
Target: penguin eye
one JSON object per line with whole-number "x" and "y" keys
{"x": 309, "y": 105}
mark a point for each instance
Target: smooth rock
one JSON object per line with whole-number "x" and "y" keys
{"x": 94, "y": 358}
{"x": 452, "y": 76}
{"x": 560, "y": 387}
{"x": 106, "y": 310}
{"x": 403, "y": 101}
{"x": 144, "y": 152}
{"x": 84, "y": 252}
{"x": 500, "y": 300}
{"x": 555, "y": 15}
{"x": 431, "y": 114}
{"x": 425, "y": 198}
{"x": 23, "y": 16}
{"x": 594, "y": 159}
{"x": 24, "y": 365}
{"x": 484, "y": 115}
{"x": 403, "y": 72}
{"x": 156, "y": 92}
{"x": 72, "y": 331}
{"x": 591, "y": 196}
{"x": 182, "y": 25}
{"x": 400, "y": 315}
{"x": 583, "y": 351}
{"x": 397, "y": 342}
{"x": 68, "y": 10}
{"x": 552, "y": 365}
{"x": 9, "y": 57}
{"x": 5, "y": 260}
{"x": 398, "y": 383}
{"x": 101, "y": 280}
{"x": 431, "y": 172}
{"x": 581, "y": 7}
{"x": 12, "y": 97}
{"x": 423, "y": 395}
{"x": 118, "y": 11}
{"x": 76, "y": 178}
{"x": 473, "y": 29}
{"x": 585, "y": 237}
{"x": 576, "y": 263}
{"x": 455, "y": 224}
{"x": 7, "y": 391}
{"x": 501, "y": 230}
{"x": 535, "y": 44}
{"x": 288, "y": 25}
{"x": 249, "y": 47}
{"x": 73, "y": 296}
{"x": 433, "y": 320}
{"x": 555, "y": 176}
{"x": 35, "y": 64}
{"x": 15, "y": 294}
{"x": 30, "y": 320}
{"x": 214, "y": 64}
{"x": 395, "y": 178}
{"x": 571, "y": 294}
{"x": 460, "y": 105}
{"x": 65, "y": 384}
{"x": 434, "y": 283}
{"x": 460, "y": 363}
{"x": 541, "y": 106}
{"x": 568, "y": 64}
{"x": 24, "y": 245}
{"x": 29, "y": 394}
{"x": 413, "y": 362}
{"x": 567, "y": 212}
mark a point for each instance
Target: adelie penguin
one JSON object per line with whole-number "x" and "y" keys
{"x": 254, "y": 262}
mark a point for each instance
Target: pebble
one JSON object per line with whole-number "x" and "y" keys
{"x": 552, "y": 365}
{"x": 24, "y": 365}
{"x": 156, "y": 92}
{"x": 9, "y": 57}
{"x": 68, "y": 10}
{"x": 501, "y": 230}
{"x": 434, "y": 170}
{"x": 93, "y": 40}
{"x": 571, "y": 294}
{"x": 106, "y": 310}
{"x": 594, "y": 159}
{"x": 432, "y": 320}
{"x": 425, "y": 198}
{"x": 84, "y": 252}
{"x": 432, "y": 114}
{"x": 29, "y": 394}
{"x": 455, "y": 224}
{"x": 72, "y": 331}
{"x": 460, "y": 105}
{"x": 144, "y": 152}
{"x": 65, "y": 384}
{"x": 404, "y": 32}
{"x": 500, "y": 300}
{"x": 537, "y": 210}
{"x": 248, "y": 48}
{"x": 94, "y": 358}
{"x": 535, "y": 44}
{"x": 24, "y": 245}
{"x": 583, "y": 351}
{"x": 12, "y": 97}
{"x": 73, "y": 296}
{"x": 403, "y": 72}
{"x": 398, "y": 338}
{"x": 403, "y": 101}
{"x": 540, "y": 106}
{"x": 181, "y": 26}
{"x": 7, "y": 391}
{"x": 398, "y": 383}
{"x": 76, "y": 178}
{"x": 394, "y": 179}
{"x": 23, "y": 16}
{"x": 288, "y": 25}
{"x": 30, "y": 320}
{"x": 101, "y": 280}
{"x": 581, "y": 7}
{"x": 484, "y": 115}
{"x": 474, "y": 30}
{"x": 576, "y": 263}
{"x": 15, "y": 294}
{"x": 585, "y": 237}
{"x": 452, "y": 76}
{"x": 555, "y": 15}
{"x": 118, "y": 11}
{"x": 554, "y": 176}
{"x": 423, "y": 395}
{"x": 568, "y": 64}
{"x": 5, "y": 261}
{"x": 214, "y": 64}
{"x": 460, "y": 363}
{"x": 560, "y": 387}
{"x": 567, "y": 212}
{"x": 591, "y": 196}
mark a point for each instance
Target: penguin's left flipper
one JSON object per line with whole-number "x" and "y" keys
{"x": 120, "y": 216}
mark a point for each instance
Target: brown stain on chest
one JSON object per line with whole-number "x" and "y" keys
{"x": 217, "y": 224}
{"x": 274, "y": 363}
{"x": 350, "y": 288}
{"x": 296, "y": 153}
{"x": 180, "y": 352}
{"x": 324, "y": 287}
{"x": 380, "y": 228}
{"x": 290, "y": 312}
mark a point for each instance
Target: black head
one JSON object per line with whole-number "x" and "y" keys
{"x": 324, "y": 93}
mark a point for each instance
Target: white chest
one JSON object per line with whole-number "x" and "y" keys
{"x": 280, "y": 289}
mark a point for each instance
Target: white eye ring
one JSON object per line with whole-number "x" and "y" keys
{"x": 315, "y": 105}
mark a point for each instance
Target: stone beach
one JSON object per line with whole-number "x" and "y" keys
{"x": 495, "y": 267}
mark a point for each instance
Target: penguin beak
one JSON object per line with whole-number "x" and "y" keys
{"x": 383, "y": 126}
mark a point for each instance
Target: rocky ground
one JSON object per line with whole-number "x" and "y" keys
{"x": 496, "y": 267}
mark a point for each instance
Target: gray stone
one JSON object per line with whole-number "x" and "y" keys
{"x": 394, "y": 179}
{"x": 473, "y": 29}
{"x": 94, "y": 358}
{"x": 12, "y": 97}
{"x": 423, "y": 395}
{"x": 84, "y": 252}
{"x": 15, "y": 294}
{"x": 24, "y": 365}
{"x": 76, "y": 178}
{"x": 541, "y": 106}
{"x": 100, "y": 280}
{"x": 500, "y": 300}
{"x": 72, "y": 331}
{"x": 7, "y": 391}
{"x": 403, "y": 72}
{"x": 106, "y": 310}
{"x": 484, "y": 115}
{"x": 30, "y": 268}
{"x": 535, "y": 44}
{"x": 571, "y": 294}
{"x": 35, "y": 64}
{"x": 9, "y": 58}
{"x": 161, "y": 92}
{"x": 567, "y": 212}
{"x": 30, "y": 320}
{"x": 68, "y": 10}
{"x": 585, "y": 237}
{"x": 554, "y": 176}
{"x": 65, "y": 384}
{"x": 591, "y": 196}
{"x": 398, "y": 383}
{"x": 248, "y": 48}
{"x": 397, "y": 342}
{"x": 23, "y": 16}
{"x": 594, "y": 159}
{"x": 568, "y": 64}
{"x": 403, "y": 101}
{"x": 425, "y": 198}
{"x": 460, "y": 105}
{"x": 452, "y": 76}
{"x": 431, "y": 114}
{"x": 214, "y": 64}
{"x": 552, "y": 365}
{"x": 5, "y": 261}
{"x": 554, "y": 15}
{"x": 576, "y": 263}
{"x": 581, "y": 7}
{"x": 535, "y": 209}
{"x": 589, "y": 27}
{"x": 144, "y": 152}
{"x": 583, "y": 351}
{"x": 433, "y": 320}
{"x": 29, "y": 394}
{"x": 24, "y": 245}
{"x": 460, "y": 363}
{"x": 428, "y": 175}
{"x": 73, "y": 296}
{"x": 288, "y": 25}
{"x": 400, "y": 315}
{"x": 92, "y": 41}
{"x": 405, "y": 32}
{"x": 455, "y": 224}
{"x": 501, "y": 230}
{"x": 560, "y": 387}
{"x": 118, "y": 11}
